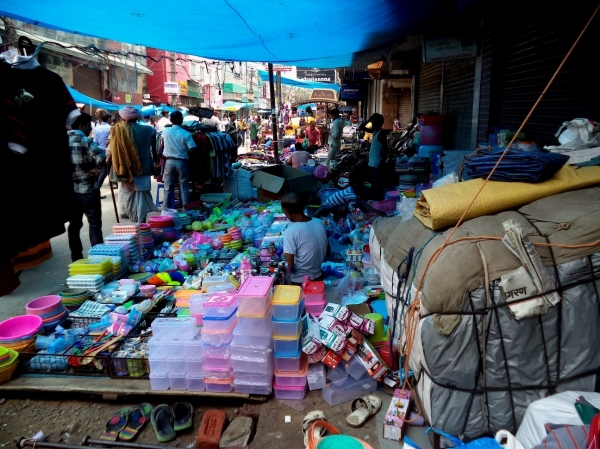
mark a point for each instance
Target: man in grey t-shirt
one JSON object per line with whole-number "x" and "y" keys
{"x": 304, "y": 241}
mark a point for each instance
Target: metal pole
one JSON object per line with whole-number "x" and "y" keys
{"x": 273, "y": 115}
{"x": 89, "y": 441}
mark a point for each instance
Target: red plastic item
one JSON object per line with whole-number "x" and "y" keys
{"x": 432, "y": 135}
{"x": 433, "y": 119}
{"x": 392, "y": 362}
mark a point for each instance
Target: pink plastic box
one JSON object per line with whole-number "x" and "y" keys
{"x": 254, "y": 296}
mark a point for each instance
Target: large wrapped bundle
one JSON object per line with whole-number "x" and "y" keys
{"x": 477, "y": 366}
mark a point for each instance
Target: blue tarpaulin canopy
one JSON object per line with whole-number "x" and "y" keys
{"x": 299, "y": 83}
{"x": 82, "y": 98}
{"x": 234, "y": 106}
{"x": 254, "y": 31}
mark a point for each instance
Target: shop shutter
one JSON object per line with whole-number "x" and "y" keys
{"x": 485, "y": 92}
{"x": 88, "y": 81}
{"x": 534, "y": 46}
{"x": 428, "y": 88}
{"x": 459, "y": 78}
{"x": 405, "y": 113}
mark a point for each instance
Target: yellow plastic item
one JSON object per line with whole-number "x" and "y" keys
{"x": 91, "y": 266}
{"x": 443, "y": 206}
{"x": 286, "y": 295}
{"x": 286, "y": 338}
{"x": 8, "y": 369}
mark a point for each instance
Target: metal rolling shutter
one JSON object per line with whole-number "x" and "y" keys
{"x": 405, "y": 112}
{"x": 459, "y": 78}
{"x": 428, "y": 89}
{"x": 534, "y": 49}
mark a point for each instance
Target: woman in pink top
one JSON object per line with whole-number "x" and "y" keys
{"x": 299, "y": 157}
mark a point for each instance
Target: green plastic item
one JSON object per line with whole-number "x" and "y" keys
{"x": 339, "y": 442}
{"x": 586, "y": 412}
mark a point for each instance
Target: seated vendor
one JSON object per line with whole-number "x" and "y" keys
{"x": 299, "y": 157}
{"x": 305, "y": 241}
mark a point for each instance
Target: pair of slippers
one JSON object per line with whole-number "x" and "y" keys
{"x": 166, "y": 421}
{"x": 126, "y": 423}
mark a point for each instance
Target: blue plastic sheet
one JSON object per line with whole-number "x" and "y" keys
{"x": 243, "y": 30}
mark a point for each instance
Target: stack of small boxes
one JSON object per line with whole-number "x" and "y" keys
{"x": 291, "y": 366}
{"x": 251, "y": 349}
{"x": 218, "y": 324}
{"x": 313, "y": 295}
{"x": 175, "y": 355}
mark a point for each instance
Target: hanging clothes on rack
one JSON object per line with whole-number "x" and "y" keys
{"x": 35, "y": 110}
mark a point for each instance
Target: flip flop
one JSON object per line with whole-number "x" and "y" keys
{"x": 115, "y": 425}
{"x": 162, "y": 422}
{"x": 183, "y": 413}
{"x": 362, "y": 409}
{"x": 138, "y": 417}
{"x": 309, "y": 419}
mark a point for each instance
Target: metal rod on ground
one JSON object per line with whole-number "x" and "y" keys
{"x": 89, "y": 441}
{"x": 24, "y": 442}
{"x": 112, "y": 193}
{"x": 273, "y": 115}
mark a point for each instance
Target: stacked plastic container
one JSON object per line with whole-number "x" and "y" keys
{"x": 176, "y": 355}
{"x": 252, "y": 346}
{"x": 313, "y": 294}
{"x": 218, "y": 324}
{"x": 291, "y": 366}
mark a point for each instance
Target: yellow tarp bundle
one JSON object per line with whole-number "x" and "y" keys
{"x": 443, "y": 206}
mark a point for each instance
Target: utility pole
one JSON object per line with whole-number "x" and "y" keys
{"x": 273, "y": 115}
{"x": 10, "y": 34}
{"x": 173, "y": 97}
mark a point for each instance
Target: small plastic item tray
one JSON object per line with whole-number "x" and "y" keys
{"x": 218, "y": 386}
{"x": 219, "y": 324}
{"x": 286, "y": 345}
{"x": 255, "y": 341}
{"x": 283, "y": 392}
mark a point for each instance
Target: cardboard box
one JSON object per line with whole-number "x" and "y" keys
{"x": 395, "y": 423}
{"x": 331, "y": 359}
{"x": 275, "y": 181}
{"x": 371, "y": 360}
{"x": 359, "y": 309}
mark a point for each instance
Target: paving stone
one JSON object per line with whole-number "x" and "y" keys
{"x": 237, "y": 434}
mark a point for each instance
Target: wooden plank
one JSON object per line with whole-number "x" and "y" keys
{"x": 104, "y": 386}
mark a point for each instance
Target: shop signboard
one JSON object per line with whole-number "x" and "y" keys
{"x": 172, "y": 88}
{"x": 439, "y": 48}
{"x": 204, "y": 112}
{"x": 183, "y": 87}
{"x": 278, "y": 68}
{"x": 350, "y": 92}
{"x": 323, "y": 95}
{"x": 316, "y": 75}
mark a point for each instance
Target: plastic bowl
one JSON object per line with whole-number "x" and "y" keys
{"x": 43, "y": 305}
{"x": 20, "y": 327}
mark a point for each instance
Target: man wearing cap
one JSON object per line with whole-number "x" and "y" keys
{"x": 177, "y": 143}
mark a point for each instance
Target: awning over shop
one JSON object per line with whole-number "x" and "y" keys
{"x": 234, "y": 106}
{"x": 356, "y": 27}
{"x": 120, "y": 61}
{"x": 299, "y": 83}
{"x": 84, "y": 99}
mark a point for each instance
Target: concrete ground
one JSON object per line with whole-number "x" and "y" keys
{"x": 68, "y": 420}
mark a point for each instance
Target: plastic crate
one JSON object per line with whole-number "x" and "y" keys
{"x": 222, "y": 199}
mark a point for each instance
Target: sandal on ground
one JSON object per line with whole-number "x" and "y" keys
{"x": 315, "y": 415}
{"x": 162, "y": 421}
{"x": 183, "y": 413}
{"x": 115, "y": 424}
{"x": 362, "y": 409}
{"x": 138, "y": 417}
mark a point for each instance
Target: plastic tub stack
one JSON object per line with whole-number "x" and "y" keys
{"x": 175, "y": 355}
{"x": 252, "y": 346}
{"x": 218, "y": 324}
{"x": 291, "y": 366}
{"x": 313, "y": 295}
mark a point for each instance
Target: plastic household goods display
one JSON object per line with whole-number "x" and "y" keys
{"x": 254, "y": 295}
{"x": 251, "y": 350}
{"x": 286, "y": 302}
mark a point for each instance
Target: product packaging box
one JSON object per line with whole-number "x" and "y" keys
{"x": 275, "y": 181}
{"x": 395, "y": 423}
{"x": 371, "y": 360}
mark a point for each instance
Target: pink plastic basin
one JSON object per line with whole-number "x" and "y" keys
{"x": 43, "y": 305}
{"x": 20, "y": 327}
